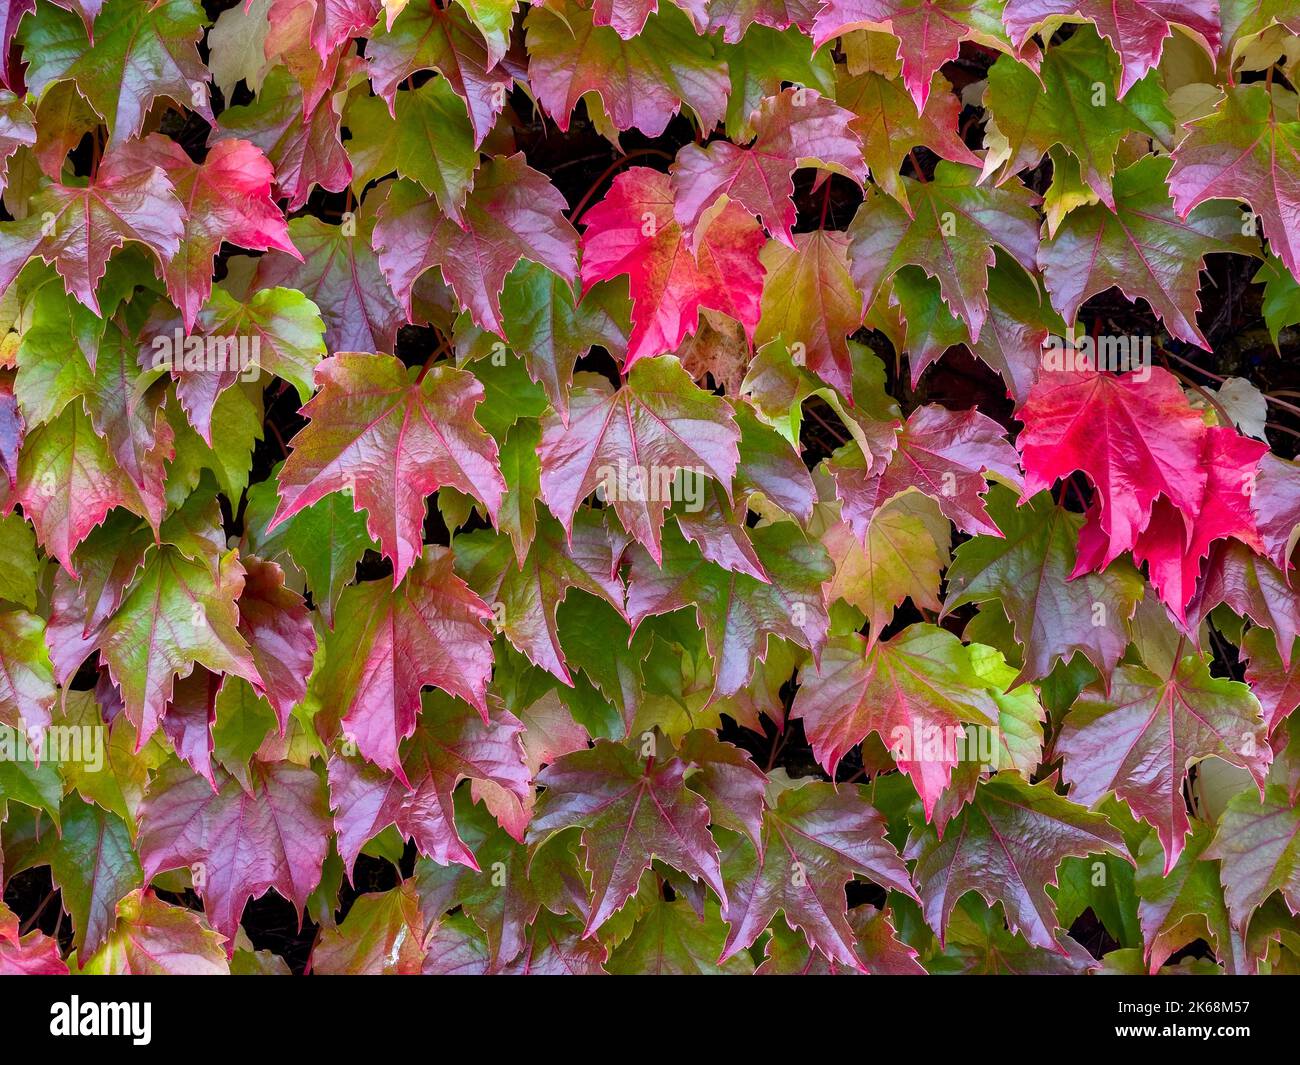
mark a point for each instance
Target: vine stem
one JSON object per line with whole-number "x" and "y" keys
{"x": 576, "y": 213}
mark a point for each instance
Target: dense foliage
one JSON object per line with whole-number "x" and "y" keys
{"x": 694, "y": 486}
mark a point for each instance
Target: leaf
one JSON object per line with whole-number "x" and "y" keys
{"x": 1030, "y": 571}
{"x": 1252, "y": 587}
{"x": 388, "y": 643}
{"x": 138, "y": 55}
{"x": 245, "y": 843}
{"x": 797, "y": 128}
{"x": 1137, "y": 29}
{"x": 633, "y": 231}
{"x": 1257, "y": 845}
{"x": 951, "y": 235}
{"x": 1276, "y": 686}
{"x": 909, "y": 689}
{"x": 155, "y": 938}
{"x": 26, "y": 675}
{"x": 281, "y": 640}
{"x": 878, "y": 948}
{"x": 629, "y": 813}
{"x": 95, "y": 868}
{"x": 17, "y": 561}
{"x": 815, "y": 839}
{"x": 1068, "y": 102}
{"x": 1103, "y": 425}
{"x": 1139, "y": 739}
{"x": 1143, "y": 248}
{"x": 1006, "y": 845}
{"x": 453, "y": 741}
{"x": 632, "y": 441}
{"x": 17, "y": 129}
{"x": 34, "y": 954}
{"x": 671, "y": 940}
{"x": 738, "y": 613}
{"x": 641, "y": 83}
{"x": 512, "y": 213}
{"x": 390, "y": 437}
{"x": 382, "y": 935}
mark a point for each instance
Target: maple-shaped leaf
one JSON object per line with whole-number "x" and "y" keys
{"x": 1062, "y": 104}
{"x": 797, "y": 128}
{"x": 951, "y": 234}
{"x": 1139, "y": 740}
{"x": 528, "y": 595}
{"x": 1257, "y": 844}
{"x": 737, "y": 612}
{"x": 340, "y": 274}
{"x": 453, "y": 742}
{"x": 388, "y": 643}
{"x": 1104, "y": 425}
{"x": 811, "y": 304}
{"x": 391, "y": 437}
{"x": 670, "y": 939}
{"x": 555, "y": 947}
{"x": 226, "y": 198}
{"x": 944, "y": 454}
{"x": 630, "y": 812}
{"x": 903, "y": 689}
{"x": 634, "y": 231}
{"x": 815, "y": 839}
{"x": 275, "y": 622}
{"x": 1006, "y": 845}
{"x": 929, "y": 32}
{"x": 631, "y": 440}
{"x": 17, "y": 130}
{"x": 1247, "y": 149}
{"x": 890, "y": 125}
{"x": 1276, "y": 686}
{"x": 77, "y": 228}
{"x": 26, "y": 674}
{"x": 275, "y": 836}
{"x": 1029, "y": 570}
{"x": 33, "y": 954}
{"x": 138, "y": 54}
{"x": 304, "y": 143}
{"x": 332, "y": 21}
{"x": 382, "y": 935}
{"x": 179, "y": 612}
{"x": 1276, "y": 501}
{"x": 426, "y": 37}
{"x": 1173, "y": 548}
{"x": 641, "y": 82}
{"x": 11, "y": 15}
{"x": 95, "y": 867}
{"x": 513, "y": 213}
{"x": 427, "y": 139}
{"x": 875, "y": 942}
{"x": 156, "y": 938}
{"x": 1136, "y": 29}
{"x": 1142, "y": 248}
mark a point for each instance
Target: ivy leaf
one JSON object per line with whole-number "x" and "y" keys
{"x": 902, "y": 689}
{"x": 797, "y": 128}
{"x": 155, "y": 938}
{"x": 641, "y": 83}
{"x": 1029, "y": 570}
{"x": 1137, "y": 29}
{"x": 951, "y": 235}
{"x": 1257, "y": 846}
{"x": 1142, "y": 248}
{"x": 453, "y": 742}
{"x": 34, "y": 954}
{"x": 738, "y": 613}
{"x": 529, "y": 595}
{"x": 17, "y": 130}
{"x": 26, "y": 674}
{"x": 274, "y": 837}
{"x": 513, "y": 213}
{"x": 1103, "y": 425}
{"x": 390, "y": 437}
{"x": 815, "y": 839}
{"x": 1276, "y": 500}
{"x": 11, "y": 15}
{"x": 1139, "y": 739}
{"x": 630, "y": 812}
{"x": 633, "y": 231}
{"x": 388, "y": 643}
{"x": 95, "y": 867}
{"x": 656, "y": 423}
{"x": 382, "y": 935}
{"x": 281, "y": 640}
{"x": 426, "y": 37}
{"x": 929, "y": 32}
{"x": 1005, "y": 845}
{"x": 671, "y": 940}
{"x": 1068, "y": 102}
{"x": 138, "y": 55}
